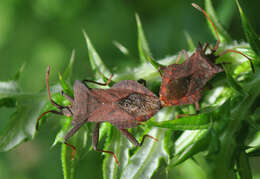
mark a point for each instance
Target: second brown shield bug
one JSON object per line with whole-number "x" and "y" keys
{"x": 183, "y": 83}
{"x": 125, "y": 105}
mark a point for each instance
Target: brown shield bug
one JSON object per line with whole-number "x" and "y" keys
{"x": 183, "y": 83}
{"x": 125, "y": 105}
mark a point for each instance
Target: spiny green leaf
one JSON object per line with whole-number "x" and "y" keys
{"x": 251, "y": 36}
{"x": 122, "y": 48}
{"x": 65, "y": 86}
{"x": 224, "y": 36}
{"x": 143, "y": 47}
{"x": 96, "y": 62}
{"x": 190, "y": 143}
{"x": 189, "y": 41}
{"x": 18, "y": 73}
{"x": 68, "y": 71}
{"x": 21, "y": 125}
{"x": 194, "y": 122}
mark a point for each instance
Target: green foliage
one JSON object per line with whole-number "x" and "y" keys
{"x": 21, "y": 125}
{"x": 216, "y": 139}
{"x": 251, "y": 36}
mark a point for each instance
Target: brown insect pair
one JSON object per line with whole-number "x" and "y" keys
{"x": 128, "y": 103}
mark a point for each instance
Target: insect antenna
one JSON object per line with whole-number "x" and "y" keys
{"x": 109, "y": 152}
{"x": 235, "y": 51}
{"x": 211, "y": 22}
{"x": 52, "y": 102}
{"x": 73, "y": 150}
{"x": 98, "y": 83}
{"x": 145, "y": 136}
{"x": 218, "y": 41}
{"x": 48, "y": 89}
{"x": 43, "y": 114}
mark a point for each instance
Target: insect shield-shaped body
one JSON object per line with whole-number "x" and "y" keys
{"x": 183, "y": 83}
{"x": 124, "y": 105}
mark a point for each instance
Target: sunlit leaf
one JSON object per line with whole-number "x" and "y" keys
{"x": 143, "y": 47}
{"x": 96, "y": 62}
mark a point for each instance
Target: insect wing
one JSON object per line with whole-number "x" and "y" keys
{"x": 113, "y": 114}
{"x": 132, "y": 86}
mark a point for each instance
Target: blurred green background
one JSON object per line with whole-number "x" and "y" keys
{"x": 39, "y": 33}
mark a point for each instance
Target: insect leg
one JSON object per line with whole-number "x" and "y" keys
{"x": 73, "y": 149}
{"x": 197, "y": 106}
{"x": 160, "y": 70}
{"x": 235, "y": 51}
{"x": 69, "y": 134}
{"x": 183, "y": 52}
{"x": 51, "y": 111}
{"x": 204, "y": 48}
{"x": 142, "y": 81}
{"x": 131, "y": 138}
{"x": 98, "y": 83}
{"x": 95, "y": 143}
